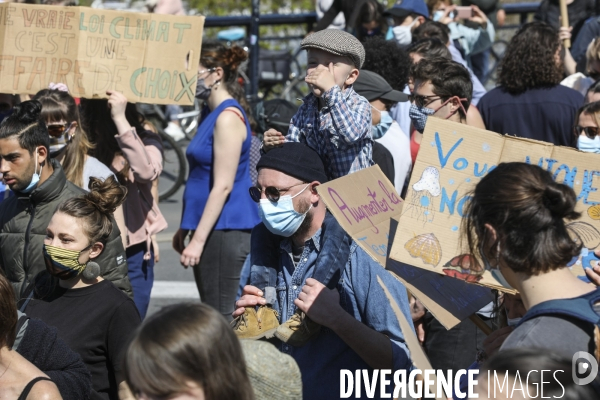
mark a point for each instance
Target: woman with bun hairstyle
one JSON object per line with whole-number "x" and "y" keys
{"x": 134, "y": 154}
{"x": 20, "y": 379}
{"x": 91, "y": 315}
{"x": 516, "y": 223}
{"x": 218, "y": 214}
{"x": 166, "y": 359}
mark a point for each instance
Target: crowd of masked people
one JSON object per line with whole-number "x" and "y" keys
{"x": 288, "y": 297}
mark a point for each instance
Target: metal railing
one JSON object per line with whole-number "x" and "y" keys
{"x": 253, "y": 21}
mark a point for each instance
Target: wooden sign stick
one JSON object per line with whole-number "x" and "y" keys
{"x": 480, "y": 324}
{"x": 564, "y": 17}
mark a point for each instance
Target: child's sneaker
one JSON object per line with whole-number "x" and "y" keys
{"x": 297, "y": 330}
{"x": 256, "y": 325}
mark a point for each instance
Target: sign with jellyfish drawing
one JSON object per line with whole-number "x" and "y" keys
{"x": 452, "y": 159}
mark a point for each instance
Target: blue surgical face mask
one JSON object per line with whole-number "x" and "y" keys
{"x": 437, "y": 15}
{"x": 418, "y": 116}
{"x": 586, "y": 144}
{"x": 384, "y": 124}
{"x": 35, "y": 178}
{"x": 281, "y": 218}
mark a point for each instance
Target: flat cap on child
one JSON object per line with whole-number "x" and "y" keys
{"x": 336, "y": 42}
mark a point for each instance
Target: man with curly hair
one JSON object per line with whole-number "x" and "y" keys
{"x": 529, "y": 101}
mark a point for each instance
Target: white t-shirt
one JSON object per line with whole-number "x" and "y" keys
{"x": 93, "y": 167}
{"x": 398, "y": 143}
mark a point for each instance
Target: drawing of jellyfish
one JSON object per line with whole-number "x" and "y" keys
{"x": 464, "y": 267}
{"x": 424, "y": 190}
{"x": 426, "y": 247}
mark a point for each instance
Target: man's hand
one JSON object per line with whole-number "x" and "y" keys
{"x": 321, "y": 77}
{"x": 272, "y": 139}
{"x": 493, "y": 342}
{"x": 251, "y": 296}
{"x": 322, "y": 305}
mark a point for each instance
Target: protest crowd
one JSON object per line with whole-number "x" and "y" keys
{"x": 291, "y": 300}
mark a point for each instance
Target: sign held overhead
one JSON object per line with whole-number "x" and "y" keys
{"x": 148, "y": 57}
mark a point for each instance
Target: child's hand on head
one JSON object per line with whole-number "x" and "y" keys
{"x": 273, "y": 139}
{"x": 321, "y": 78}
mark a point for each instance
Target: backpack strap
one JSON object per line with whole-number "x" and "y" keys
{"x": 22, "y": 324}
{"x": 580, "y": 308}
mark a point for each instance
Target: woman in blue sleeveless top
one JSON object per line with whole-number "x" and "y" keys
{"x": 218, "y": 213}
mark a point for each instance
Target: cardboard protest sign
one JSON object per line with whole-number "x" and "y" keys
{"x": 148, "y": 57}
{"x": 364, "y": 203}
{"x": 452, "y": 159}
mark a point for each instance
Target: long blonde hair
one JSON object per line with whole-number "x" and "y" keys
{"x": 56, "y": 106}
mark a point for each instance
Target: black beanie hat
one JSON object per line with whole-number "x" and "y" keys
{"x": 295, "y": 159}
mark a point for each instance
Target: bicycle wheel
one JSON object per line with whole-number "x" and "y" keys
{"x": 294, "y": 90}
{"x": 174, "y": 167}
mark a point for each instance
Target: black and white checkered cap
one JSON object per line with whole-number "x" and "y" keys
{"x": 337, "y": 42}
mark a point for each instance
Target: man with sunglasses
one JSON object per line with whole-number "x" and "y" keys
{"x": 337, "y": 316}
{"x": 442, "y": 89}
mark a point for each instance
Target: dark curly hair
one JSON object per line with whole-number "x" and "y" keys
{"x": 388, "y": 59}
{"x": 528, "y": 209}
{"x": 530, "y": 59}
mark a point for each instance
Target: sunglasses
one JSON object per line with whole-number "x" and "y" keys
{"x": 58, "y": 130}
{"x": 271, "y": 192}
{"x": 422, "y": 101}
{"x": 204, "y": 71}
{"x": 590, "y": 131}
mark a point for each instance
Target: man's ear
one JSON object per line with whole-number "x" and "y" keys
{"x": 454, "y": 106}
{"x": 42, "y": 153}
{"x": 352, "y": 76}
{"x": 314, "y": 195}
{"x": 96, "y": 249}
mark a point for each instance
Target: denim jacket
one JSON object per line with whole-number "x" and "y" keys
{"x": 322, "y": 358}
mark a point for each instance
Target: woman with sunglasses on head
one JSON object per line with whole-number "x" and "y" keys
{"x": 588, "y": 127}
{"x": 69, "y": 143}
{"x": 91, "y": 315}
{"x": 134, "y": 154}
{"x": 218, "y": 214}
